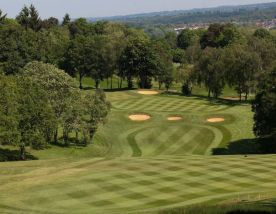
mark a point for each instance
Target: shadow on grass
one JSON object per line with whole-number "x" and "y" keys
{"x": 69, "y": 143}
{"x": 216, "y": 101}
{"x": 13, "y": 155}
{"x": 248, "y": 146}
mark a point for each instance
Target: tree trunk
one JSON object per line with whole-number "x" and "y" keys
{"x": 129, "y": 82}
{"x": 240, "y": 96}
{"x": 111, "y": 85}
{"x": 77, "y": 136}
{"x": 209, "y": 93}
{"x": 97, "y": 82}
{"x": 107, "y": 83}
{"x": 81, "y": 81}
{"x": 22, "y": 152}
{"x": 160, "y": 85}
{"x": 121, "y": 82}
{"x": 56, "y": 136}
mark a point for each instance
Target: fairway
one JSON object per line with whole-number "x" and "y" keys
{"x": 144, "y": 166}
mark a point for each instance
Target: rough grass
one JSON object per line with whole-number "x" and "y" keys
{"x": 143, "y": 167}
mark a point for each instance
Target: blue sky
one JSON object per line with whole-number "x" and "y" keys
{"x": 96, "y": 8}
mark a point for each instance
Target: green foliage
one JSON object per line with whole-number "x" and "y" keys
{"x": 219, "y": 35}
{"x": 29, "y": 18}
{"x": 9, "y": 115}
{"x": 186, "y": 38}
{"x": 264, "y": 106}
{"x": 66, "y": 20}
{"x": 242, "y": 68}
{"x": 210, "y": 71}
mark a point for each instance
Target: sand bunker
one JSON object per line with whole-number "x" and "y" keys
{"x": 174, "y": 118}
{"x": 139, "y": 117}
{"x": 215, "y": 120}
{"x": 148, "y": 92}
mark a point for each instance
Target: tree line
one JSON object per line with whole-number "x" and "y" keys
{"x": 221, "y": 55}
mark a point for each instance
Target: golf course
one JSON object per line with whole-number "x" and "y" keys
{"x": 153, "y": 154}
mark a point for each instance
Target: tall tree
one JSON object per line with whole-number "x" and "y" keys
{"x": 23, "y": 17}
{"x": 34, "y": 20}
{"x": 210, "y": 71}
{"x": 219, "y": 35}
{"x": 264, "y": 106}
{"x": 242, "y": 68}
{"x": 186, "y": 38}
{"x": 66, "y": 19}
{"x": 58, "y": 86}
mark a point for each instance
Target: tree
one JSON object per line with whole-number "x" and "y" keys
{"x": 262, "y": 33}
{"x": 9, "y": 115}
{"x": 37, "y": 121}
{"x": 242, "y": 68}
{"x": 96, "y": 111}
{"x": 264, "y": 106}
{"x": 50, "y": 23}
{"x": 58, "y": 86}
{"x": 210, "y": 71}
{"x": 163, "y": 65}
{"x": 34, "y": 20}
{"x": 2, "y": 17}
{"x": 184, "y": 75}
{"x": 186, "y": 38}
{"x": 219, "y": 35}
{"x": 137, "y": 59}
{"x": 23, "y": 17}
{"x": 17, "y": 47}
{"x": 66, "y": 20}
{"x": 29, "y": 18}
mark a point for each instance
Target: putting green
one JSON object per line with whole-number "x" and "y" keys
{"x": 146, "y": 166}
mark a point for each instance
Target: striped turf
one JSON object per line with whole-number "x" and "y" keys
{"x": 143, "y": 166}
{"x": 132, "y": 185}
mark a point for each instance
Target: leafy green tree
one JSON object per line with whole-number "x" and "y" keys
{"x": 184, "y": 75}
{"x": 50, "y": 23}
{"x": 186, "y": 38}
{"x": 9, "y": 115}
{"x": 262, "y": 33}
{"x": 163, "y": 65}
{"x": 179, "y": 56}
{"x": 219, "y": 35}
{"x": 242, "y": 68}
{"x": 171, "y": 39}
{"x": 137, "y": 59}
{"x": 58, "y": 86}
{"x": 96, "y": 110}
{"x": 210, "y": 71}
{"x": 17, "y": 47}
{"x": 264, "y": 106}
{"x": 66, "y": 20}
{"x": 37, "y": 121}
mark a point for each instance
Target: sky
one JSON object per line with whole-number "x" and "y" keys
{"x": 100, "y": 8}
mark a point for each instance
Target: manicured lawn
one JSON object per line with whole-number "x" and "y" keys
{"x": 146, "y": 166}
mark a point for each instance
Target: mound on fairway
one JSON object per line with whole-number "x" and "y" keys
{"x": 139, "y": 117}
{"x": 215, "y": 120}
{"x": 148, "y": 92}
{"x": 174, "y": 118}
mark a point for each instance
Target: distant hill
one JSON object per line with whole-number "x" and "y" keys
{"x": 241, "y": 13}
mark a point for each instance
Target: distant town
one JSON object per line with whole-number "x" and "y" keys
{"x": 267, "y": 24}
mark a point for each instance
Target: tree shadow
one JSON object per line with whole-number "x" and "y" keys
{"x": 248, "y": 146}
{"x": 70, "y": 142}
{"x": 119, "y": 89}
{"x": 13, "y": 155}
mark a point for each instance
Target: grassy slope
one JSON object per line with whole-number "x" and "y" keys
{"x": 147, "y": 166}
